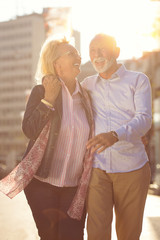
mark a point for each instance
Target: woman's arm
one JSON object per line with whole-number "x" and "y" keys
{"x": 36, "y": 114}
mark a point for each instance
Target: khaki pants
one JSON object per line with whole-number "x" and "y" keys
{"x": 126, "y": 192}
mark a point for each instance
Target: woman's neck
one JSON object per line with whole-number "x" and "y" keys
{"x": 71, "y": 84}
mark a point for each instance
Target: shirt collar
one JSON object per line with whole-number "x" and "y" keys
{"x": 77, "y": 87}
{"x": 120, "y": 71}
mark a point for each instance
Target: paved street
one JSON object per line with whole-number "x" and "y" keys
{"x": 16, "y": 222}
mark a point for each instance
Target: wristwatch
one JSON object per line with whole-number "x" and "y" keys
{"x": 114, "y": 134}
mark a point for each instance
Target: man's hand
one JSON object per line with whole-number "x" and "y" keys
{"x": 145, "y": 140}
{"x": 100, "y": 142}
{"x": 52, "y": 87}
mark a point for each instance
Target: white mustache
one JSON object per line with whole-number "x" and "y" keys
{"x": 99, "y": 59}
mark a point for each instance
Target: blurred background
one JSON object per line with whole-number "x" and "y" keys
{"x": 24, "y": 26}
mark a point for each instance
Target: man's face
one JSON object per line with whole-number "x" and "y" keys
{"x": 102, "y": 54}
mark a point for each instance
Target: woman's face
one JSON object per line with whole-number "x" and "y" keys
{"x": 68, "y": 62}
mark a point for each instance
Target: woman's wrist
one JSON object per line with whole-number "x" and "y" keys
{"x": 46, "y": 102}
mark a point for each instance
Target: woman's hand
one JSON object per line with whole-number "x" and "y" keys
{"x": 52, "y": 87}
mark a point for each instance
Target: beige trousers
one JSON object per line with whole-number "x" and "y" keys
{"x": 127, "y": 193}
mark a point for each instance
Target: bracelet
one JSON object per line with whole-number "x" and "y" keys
{"x": 114, "y": 134}
{"x": 46, "y": 103}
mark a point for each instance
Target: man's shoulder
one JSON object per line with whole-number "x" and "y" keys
{"x": 89, "y": 80}
{"x": 135, "y": 73}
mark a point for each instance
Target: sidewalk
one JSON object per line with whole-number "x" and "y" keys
{"x": 151, "y": 224}
{"x": 16, "y": 222}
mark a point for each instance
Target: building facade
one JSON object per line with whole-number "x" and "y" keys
{"x": 20, "y": 43}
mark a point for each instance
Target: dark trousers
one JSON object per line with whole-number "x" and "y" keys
{"x": 49, "y": 205}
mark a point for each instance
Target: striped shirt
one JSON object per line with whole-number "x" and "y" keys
{"x": 67, "y": 163}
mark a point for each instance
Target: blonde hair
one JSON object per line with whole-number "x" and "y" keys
{"x": 48, "y": 56}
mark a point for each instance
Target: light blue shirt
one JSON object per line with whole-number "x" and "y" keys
{"x": 122, "y": 104}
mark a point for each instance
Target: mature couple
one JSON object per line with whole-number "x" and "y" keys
{"x": 95, "y": 126}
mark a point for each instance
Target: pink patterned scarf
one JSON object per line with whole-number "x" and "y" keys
{"x": 23, "y": 173}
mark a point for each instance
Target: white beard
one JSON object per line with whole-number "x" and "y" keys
{"x": 105, "y": 67}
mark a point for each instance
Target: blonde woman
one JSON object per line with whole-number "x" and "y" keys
{"x": 56, "y": 194}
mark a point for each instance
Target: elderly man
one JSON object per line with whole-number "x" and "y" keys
{"x": 121, "y": 101}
